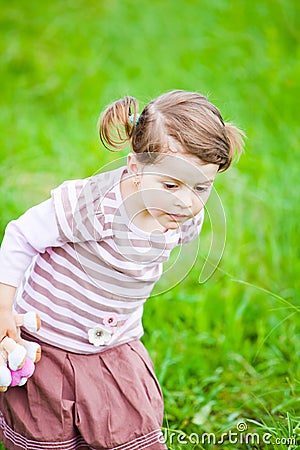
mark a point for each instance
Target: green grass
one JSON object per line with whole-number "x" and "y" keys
{"x": 228, "y": 349}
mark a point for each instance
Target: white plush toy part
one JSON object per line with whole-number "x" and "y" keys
{"x": 17, "y": 359}
{"x": 32, "y": 322}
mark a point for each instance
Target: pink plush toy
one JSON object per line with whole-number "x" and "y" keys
{"x": 19, "y": 377}
{"x": 17, "y": 359}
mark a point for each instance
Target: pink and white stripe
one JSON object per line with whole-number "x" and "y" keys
{"x": 21, "y": 442}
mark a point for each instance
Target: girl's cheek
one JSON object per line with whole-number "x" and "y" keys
{"x": 204, "y": 197}
{"x": 156, "y": 196}
{"x": 200, "y": 202}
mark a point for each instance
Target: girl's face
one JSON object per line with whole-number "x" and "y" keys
{"x": 174, "y": 189}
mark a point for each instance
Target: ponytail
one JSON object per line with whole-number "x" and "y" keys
{"x": 115, "y": 127}
{"x": 235, "y": 138}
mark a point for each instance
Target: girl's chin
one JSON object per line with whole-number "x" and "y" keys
{"x": 173, "y": 224}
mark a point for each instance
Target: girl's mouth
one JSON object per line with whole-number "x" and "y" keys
{"x": 178, "y": 217}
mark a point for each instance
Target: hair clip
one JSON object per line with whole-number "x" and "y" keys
{"x": 131, "y": 118}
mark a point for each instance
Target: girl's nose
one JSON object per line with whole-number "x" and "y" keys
{"x": 184, "y": 199}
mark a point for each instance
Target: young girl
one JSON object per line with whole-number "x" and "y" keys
{"x": 87, "y": 259}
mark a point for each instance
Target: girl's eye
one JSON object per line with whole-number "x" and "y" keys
{"x": 201, "y": 189}
{"x": 170, "y": 185}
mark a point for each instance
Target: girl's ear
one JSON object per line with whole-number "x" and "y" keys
{"x": 133, "y": 166}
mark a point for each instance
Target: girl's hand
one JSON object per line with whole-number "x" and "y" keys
{"x": 7, "y": 323}
{"x": 8, "y": 326}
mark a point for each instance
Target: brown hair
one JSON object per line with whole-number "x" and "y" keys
{"x": 187, "y": 118}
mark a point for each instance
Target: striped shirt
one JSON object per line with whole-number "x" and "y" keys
{"x": 91, "y": 269}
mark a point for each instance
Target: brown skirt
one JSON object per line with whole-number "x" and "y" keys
{"x": 111, "y": 400}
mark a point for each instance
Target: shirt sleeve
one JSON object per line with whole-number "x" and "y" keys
{"x": 77, "y": 205}
{"x": 192, "y": 228}
{"x": 24, "y": 238}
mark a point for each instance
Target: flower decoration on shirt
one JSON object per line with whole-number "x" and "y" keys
{"x": 110, "y": 320}
{"x": 99, "y": 335}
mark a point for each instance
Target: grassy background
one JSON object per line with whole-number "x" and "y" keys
{"x": 228, "y": 349}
